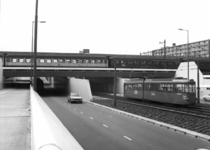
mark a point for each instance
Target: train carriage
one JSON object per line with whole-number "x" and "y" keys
{"x": 47, "y": 60}
{"x": 174, "y": 91}
{"x": 153, "y": 62}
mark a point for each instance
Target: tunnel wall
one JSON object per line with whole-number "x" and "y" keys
{"x": 81, "y": 86}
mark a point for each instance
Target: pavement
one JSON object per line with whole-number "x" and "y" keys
{"x": 15, "y": 119}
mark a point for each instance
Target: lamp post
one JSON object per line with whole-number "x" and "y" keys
{"x": 198, "y": 78}
{"x": 164, "y": 48}
{"x": 114, "y": 102}
{"x": 32, "y": 46}
{"x": 187, "y": 52}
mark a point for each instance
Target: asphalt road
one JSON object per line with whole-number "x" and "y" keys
{"x": 96, "y": 128}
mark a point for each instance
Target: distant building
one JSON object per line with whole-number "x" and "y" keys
{"x": 201, "y": 48}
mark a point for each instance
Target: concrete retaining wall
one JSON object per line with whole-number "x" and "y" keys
{"x": 81, "y": 86}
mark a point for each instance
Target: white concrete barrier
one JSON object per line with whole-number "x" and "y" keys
{"x": 47, "y": 132}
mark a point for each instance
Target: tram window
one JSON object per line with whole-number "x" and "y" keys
{"x": 192, "y": 88}
{"x": 186, "y": 88}
{"x": 179, "y": 88}
{"x": 74, "y": 61}
{"x": 117, "y": 61}
{"x": 21, "y": 60}
{"x": 136, "y": 62}
{"x": 170, "y": 87}
{"x": 48, "y": 60}
{"x": 60, "y": 60}
{"x": 139, "y": 86}
{"x": 126, "y": 87}
{"x": 41, "y": 60}
{"x": 14, "y": 60}
{"x": 55, "y": 61}
{"x": 98, "y": 61}
{"x": 67, "y": 60}
{"x": 153, "y": 87}
{"x": 28, "y": 60}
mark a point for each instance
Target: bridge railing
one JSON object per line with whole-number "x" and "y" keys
{"x": 47, "y": 131}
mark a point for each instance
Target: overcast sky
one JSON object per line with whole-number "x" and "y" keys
{"x": 103, "y": 26}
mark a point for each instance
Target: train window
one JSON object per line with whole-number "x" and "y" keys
{"x": 21, "y": 60}
{"x": 87, "y": 61}
{"x": 55, "y": 61}
{"x": 67, "y": 61}
{"x": 14, "y": 60}
{"x": 149, "y": 62}
{"x": 130, "y": 62}
{"x": 179, "y": 88}
{"x": 28, "y": 60}
{"x": 117, "y": 61}
{"x": 98, "y": 61}
{"x": 143, "y": 62}
{"x": 48, "y": 60}
{"x": 80, "y": 61}
{"x": 60, "y": 60}
{"x": 74, "y": 61}
{"x": 136, "y": 62}
{"x": 93, "y": 61}
{"x": 156, "y": 62}
{"x": 41, "y": 60}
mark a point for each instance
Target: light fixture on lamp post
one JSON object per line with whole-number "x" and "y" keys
{"x": 164, "y": 48}
{"x": 187, "y": 52}
{"x": 32, "y": 46}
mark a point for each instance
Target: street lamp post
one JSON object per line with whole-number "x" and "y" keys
{"x": 164, "y": 48}
{"x": 198, "y": 82}
{"x": 32, "y": 44}
{"x": 114, "y": 102}
{"x": 187, "y": 52}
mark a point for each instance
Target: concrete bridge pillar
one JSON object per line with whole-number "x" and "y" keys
{"x": 1, "y": 74}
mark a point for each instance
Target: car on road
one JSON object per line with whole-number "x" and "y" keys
{"x": 206, "y": 97}
{"x": 74, "y": 97}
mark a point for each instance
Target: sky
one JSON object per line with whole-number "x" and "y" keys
{"x": 102, "y": 26}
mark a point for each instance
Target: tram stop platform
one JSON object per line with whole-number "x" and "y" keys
{"x": 15, "y": 119}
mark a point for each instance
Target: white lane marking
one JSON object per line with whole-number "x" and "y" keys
{"x": 91, "y": 118}
{"x": 105, "y": 125}
{"x": 81, "y": 112}
{"x": 127, "y": 138}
